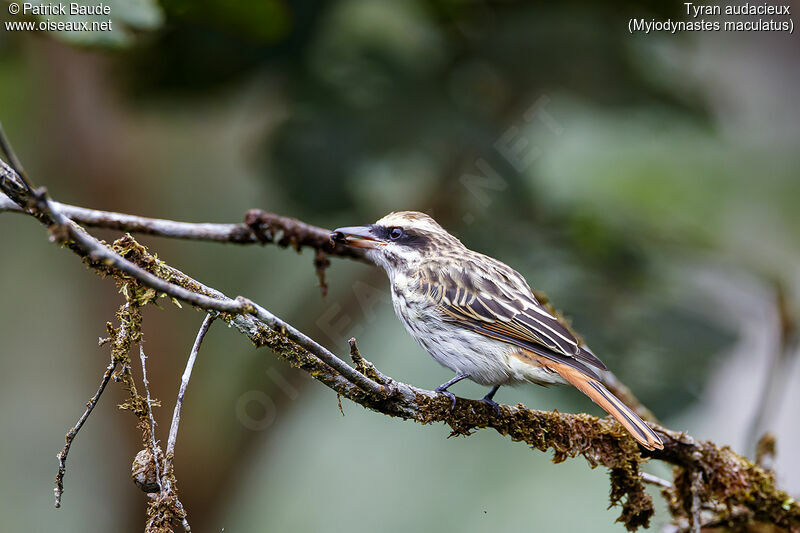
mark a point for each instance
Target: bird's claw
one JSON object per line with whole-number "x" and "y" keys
{"x": 494, "y": 405}
{"x": 449, "y": 395}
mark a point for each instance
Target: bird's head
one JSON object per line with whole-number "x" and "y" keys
{"x": 399, "y": 240}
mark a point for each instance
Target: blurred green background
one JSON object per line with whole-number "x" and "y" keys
{"x": 648, "y": 184}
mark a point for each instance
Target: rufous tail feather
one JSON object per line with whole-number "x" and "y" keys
{"x": 603, "y": 397}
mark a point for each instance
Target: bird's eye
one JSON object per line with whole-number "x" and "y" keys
{"x": 395, "y": 233}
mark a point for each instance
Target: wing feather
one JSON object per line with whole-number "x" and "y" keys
{"x": 506, "y": 311}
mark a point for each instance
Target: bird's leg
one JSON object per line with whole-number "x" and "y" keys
{"x": 443, "y": 389}
{"x": 489, "y": 399}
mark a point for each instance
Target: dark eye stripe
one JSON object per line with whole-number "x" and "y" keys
{"x": 410, "y": 237}
{"x": 381, "y": 232}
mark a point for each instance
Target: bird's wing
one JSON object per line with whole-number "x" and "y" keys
{"x": 494, "y": 300}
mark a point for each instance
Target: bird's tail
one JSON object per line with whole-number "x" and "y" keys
{"x": 603, "y": 397}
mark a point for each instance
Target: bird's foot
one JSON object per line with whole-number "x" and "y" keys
{"x": 494, "y": 405}
{"x": 450, "y": 395}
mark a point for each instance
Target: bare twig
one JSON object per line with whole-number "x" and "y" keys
{"x": 153, "y": 442}
{"x": 73, "y": 432}
{"x": 774, "y": 387}
{"x": 169, "y": 455}
{"x": 655, "y": 480}
{"x": 176, "y": 414}
{"x": 8, "y": 150}
{"x": 313, "y": 347}
{"x": 265, "y": 228}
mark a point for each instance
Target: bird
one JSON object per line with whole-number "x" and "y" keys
{"x": 478, "y": 317}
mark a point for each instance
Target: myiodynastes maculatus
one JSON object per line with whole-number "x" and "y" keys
{"x": 478, "y": 316}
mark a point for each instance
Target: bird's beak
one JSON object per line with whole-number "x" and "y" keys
{"x": 356, "y": 236}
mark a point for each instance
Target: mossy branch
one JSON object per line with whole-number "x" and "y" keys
{"x": 708, "y": 478}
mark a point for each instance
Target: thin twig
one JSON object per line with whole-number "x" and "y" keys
{"x": 73, "y": 432}
{"x": 176, "y": 414}
{"x": 300, "y": 338}
{"x": 276, "y": 229}
{"x": 97, "y": 252}
{"x": 774, "y": 387}
{"x": 153, "y": 442}
{"x": 169, "y": 455}
{"x": 655, "y": 480}
{"x": 13, "y": 160}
